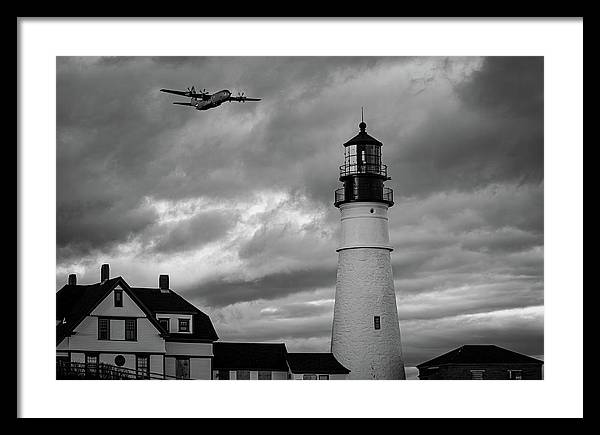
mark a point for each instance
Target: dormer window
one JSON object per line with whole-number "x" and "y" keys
{"x": 164, "y": 323}
{"x": 184, "y": 325}
{"x": 118, "y": 298}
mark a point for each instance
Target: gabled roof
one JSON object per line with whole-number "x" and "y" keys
{"x": 315, "y": 363}
{"x": 249, "y": 356}
{"x": 170, "y": 302}
{"x": 75, "y": 302}
{"x": 480, "y": 354}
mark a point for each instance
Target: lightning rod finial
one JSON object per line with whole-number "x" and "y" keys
{"x": 362, "y": 124}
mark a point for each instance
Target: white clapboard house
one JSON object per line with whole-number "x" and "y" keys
{"x": 110, "y": 330}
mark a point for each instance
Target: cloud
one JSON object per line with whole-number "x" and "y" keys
{"x": 194, "y": 232}
{"x": 519, "y": 329}
{"x": 222, "y": 292}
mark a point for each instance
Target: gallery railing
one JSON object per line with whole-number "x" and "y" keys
{"x": 378, "y": 194}
{"x": 363, "y": 168}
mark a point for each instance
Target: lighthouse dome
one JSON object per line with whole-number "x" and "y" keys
{"x": 363, "y": 138}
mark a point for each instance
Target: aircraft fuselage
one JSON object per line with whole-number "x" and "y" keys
{"x": 215, "y": 100}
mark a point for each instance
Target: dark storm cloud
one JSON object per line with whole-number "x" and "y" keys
{"x": 222, "y": 291}
{"x": 510, "y": 86}
{"x": 94, "y": 224}
{"x": 495, "y": 136}
{"x": 194, "y": 232}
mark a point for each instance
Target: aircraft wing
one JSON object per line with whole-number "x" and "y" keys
{"x": 171, "y": 91}
{"x": 183, "y": 104}
{"x": 187, "y": 94}
{"x": 243, "y": 99}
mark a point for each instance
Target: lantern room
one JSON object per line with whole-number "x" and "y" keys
{"x": 362, "y": 173}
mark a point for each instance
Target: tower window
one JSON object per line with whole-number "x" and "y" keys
{"x": 377, "y": 322}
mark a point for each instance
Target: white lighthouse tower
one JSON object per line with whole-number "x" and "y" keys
{"x": 365, "y": 337}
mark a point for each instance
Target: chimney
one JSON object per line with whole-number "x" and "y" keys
{"x": 104, "y": 272}
{"x": 163, "y": 283}
{"x": 72, "y": 279}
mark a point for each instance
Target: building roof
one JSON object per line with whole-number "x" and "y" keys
{"x": 363, "y": 138}
{"x": 164, "y": 301}
{"x": 250, "y": 356}
{"x": 480, "y": 354}
{"x": 315, "y": 363}
{"x": 75, "y": 302}
{"x": 170, "y": 302}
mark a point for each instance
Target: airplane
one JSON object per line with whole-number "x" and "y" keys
{"x": 204, "y": 100}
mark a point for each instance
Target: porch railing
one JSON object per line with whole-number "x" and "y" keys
{"x": 74, "y": 370}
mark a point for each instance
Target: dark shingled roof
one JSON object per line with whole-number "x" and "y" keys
{"x": 160, "y": 302}
{"x": 75, "y": 302}
{"x": 170, "y": 302}
{"x": 249, "y": 356}
{"x": 315, "y": 363}
{"x": 481, "y": 354}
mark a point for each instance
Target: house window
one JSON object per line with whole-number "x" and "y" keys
{"x": 131, "y": 329}
{"x": 477, "y": 374}
{"x": 223, "y": 375}
{"x": 164, "y": 324}
{"x": 184, "y": 325}
{"x": 323, "y": 377}
{"x": 142, "y": 366}
{"x": 103, "y": 328}
{"x": 264, "y": 375}
{"x": 377, "y": 322}
{"x": 182, "y": 368}
{"x": 309, "y": 377}
{"x": 118, "y": 298}
{"x": 243, "y": 375}
{"x": 515, "y": 374}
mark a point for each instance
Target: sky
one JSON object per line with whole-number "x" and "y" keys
{"x": 236, "y": 203}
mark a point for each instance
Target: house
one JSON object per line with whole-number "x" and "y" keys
{"x": 315, "y": 366}
{"x": 271, "y": 361}
{"x": 481, "y": 361}
{"x": 243, "y": 361}
{"x": 110, "y": 329}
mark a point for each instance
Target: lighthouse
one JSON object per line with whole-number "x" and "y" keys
{"x": 365, "y": 336}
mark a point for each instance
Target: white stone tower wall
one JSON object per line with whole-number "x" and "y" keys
{"x": 365, "y": 289}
